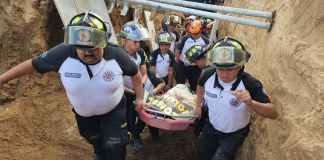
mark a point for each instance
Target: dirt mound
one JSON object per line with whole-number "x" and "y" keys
{"x": 35, "y": 118}
{"x": 289, "y": 61}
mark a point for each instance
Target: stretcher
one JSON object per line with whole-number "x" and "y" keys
{"x": 173, "y": 111}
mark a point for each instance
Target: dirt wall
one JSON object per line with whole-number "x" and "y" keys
{"x": 36, "y": 121}
{"x": 35, "y": 118}
{"x": 290, "y": 62}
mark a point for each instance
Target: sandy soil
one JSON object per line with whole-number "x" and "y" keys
{"x": 36, "y": 121}
{"x": 289, "y": 61}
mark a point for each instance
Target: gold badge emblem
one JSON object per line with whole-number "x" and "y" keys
{"x": 224, "y": 55}
{"x": 84, "y": 35}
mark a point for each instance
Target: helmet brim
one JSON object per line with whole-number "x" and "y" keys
{"x": 87, "y": 37}
{"x": 226, "y": 66}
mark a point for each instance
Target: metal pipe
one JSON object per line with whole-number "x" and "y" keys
{"x": 238, "y": 20}
{"x": 217, "y": 8}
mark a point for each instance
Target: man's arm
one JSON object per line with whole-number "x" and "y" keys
{"x": 264, "y": 109}
{"x": 158, "y": 89}
{"x": 143, "y": 70}
{"x": 200, "y": 95}
{"x": 17, "y": 71}
{"x": 139, "y": 91}
{"x": 153, "y": 69}
{"x": 177, "y": 56}
{"x": 170, "y": 77}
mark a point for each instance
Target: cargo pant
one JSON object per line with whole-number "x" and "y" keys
{"x": 216, "y": 145}
{"x": 107, "y": 133}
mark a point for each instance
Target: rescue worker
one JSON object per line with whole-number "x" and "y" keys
{"x": 170, "y": 24}
{"x": 153, "y": 86}
{"x": 206, "y": 27}
{"x": 132, "y": 33}
{"x": 172, "y": 29}
{"x": 197, "y": 55}
{"x": 162, "y": 60}
{"x": 231, "y": 95}
{"x": 185, "y": 70}
{"x": 187, "y": 23}
{"x": 91, "y": 71}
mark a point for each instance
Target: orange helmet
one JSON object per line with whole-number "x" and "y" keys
{"x": 195, "y": 27}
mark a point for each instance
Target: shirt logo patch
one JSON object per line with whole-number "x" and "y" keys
{"x": 213, "y": 95}
{"x": 72, "y": 75}
{"x": 234, "y": 102}
{"x": 108, "y": 76}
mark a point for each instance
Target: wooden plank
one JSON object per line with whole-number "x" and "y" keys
{"x": 151, "y": 29}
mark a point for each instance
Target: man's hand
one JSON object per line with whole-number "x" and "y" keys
{"x": 167, "y": 87}
{"x": 139, "y": 104}
{"x": 198, "y": 111}
{"x": 144, "y": 79}
{"x": 243, "y": 96}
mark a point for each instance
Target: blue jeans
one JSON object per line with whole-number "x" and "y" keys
{"x": 216, "y": 145}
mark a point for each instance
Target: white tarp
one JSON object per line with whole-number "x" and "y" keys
{"x": 178, "y": 102}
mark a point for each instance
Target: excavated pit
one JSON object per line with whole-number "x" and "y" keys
{"x": 36, "y": 121}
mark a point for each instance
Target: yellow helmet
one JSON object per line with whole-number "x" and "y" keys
{"x": 87, "y": 30}
{"x": 228, "y": 53}
{"x": 164, "y": 37}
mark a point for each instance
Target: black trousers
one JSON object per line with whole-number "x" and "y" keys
{"x": 191, "y": 73}
{"x": 134, "y": 123}
{"x": 140, "y": 125}
{"x": 216, "y": 145}
{"x": 130, "y": 112}
{"x": 107, "y": 133}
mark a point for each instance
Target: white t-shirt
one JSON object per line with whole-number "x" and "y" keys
{"x": 104, "y": 90}
{"x": 127, "y": 79}
{"x": 162, "y": 63}
{"x": 91, "y": 89}
{"x": 187, "y": 45}
{"x": 173, "y": 43}
{"x": 225, "y": 113}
